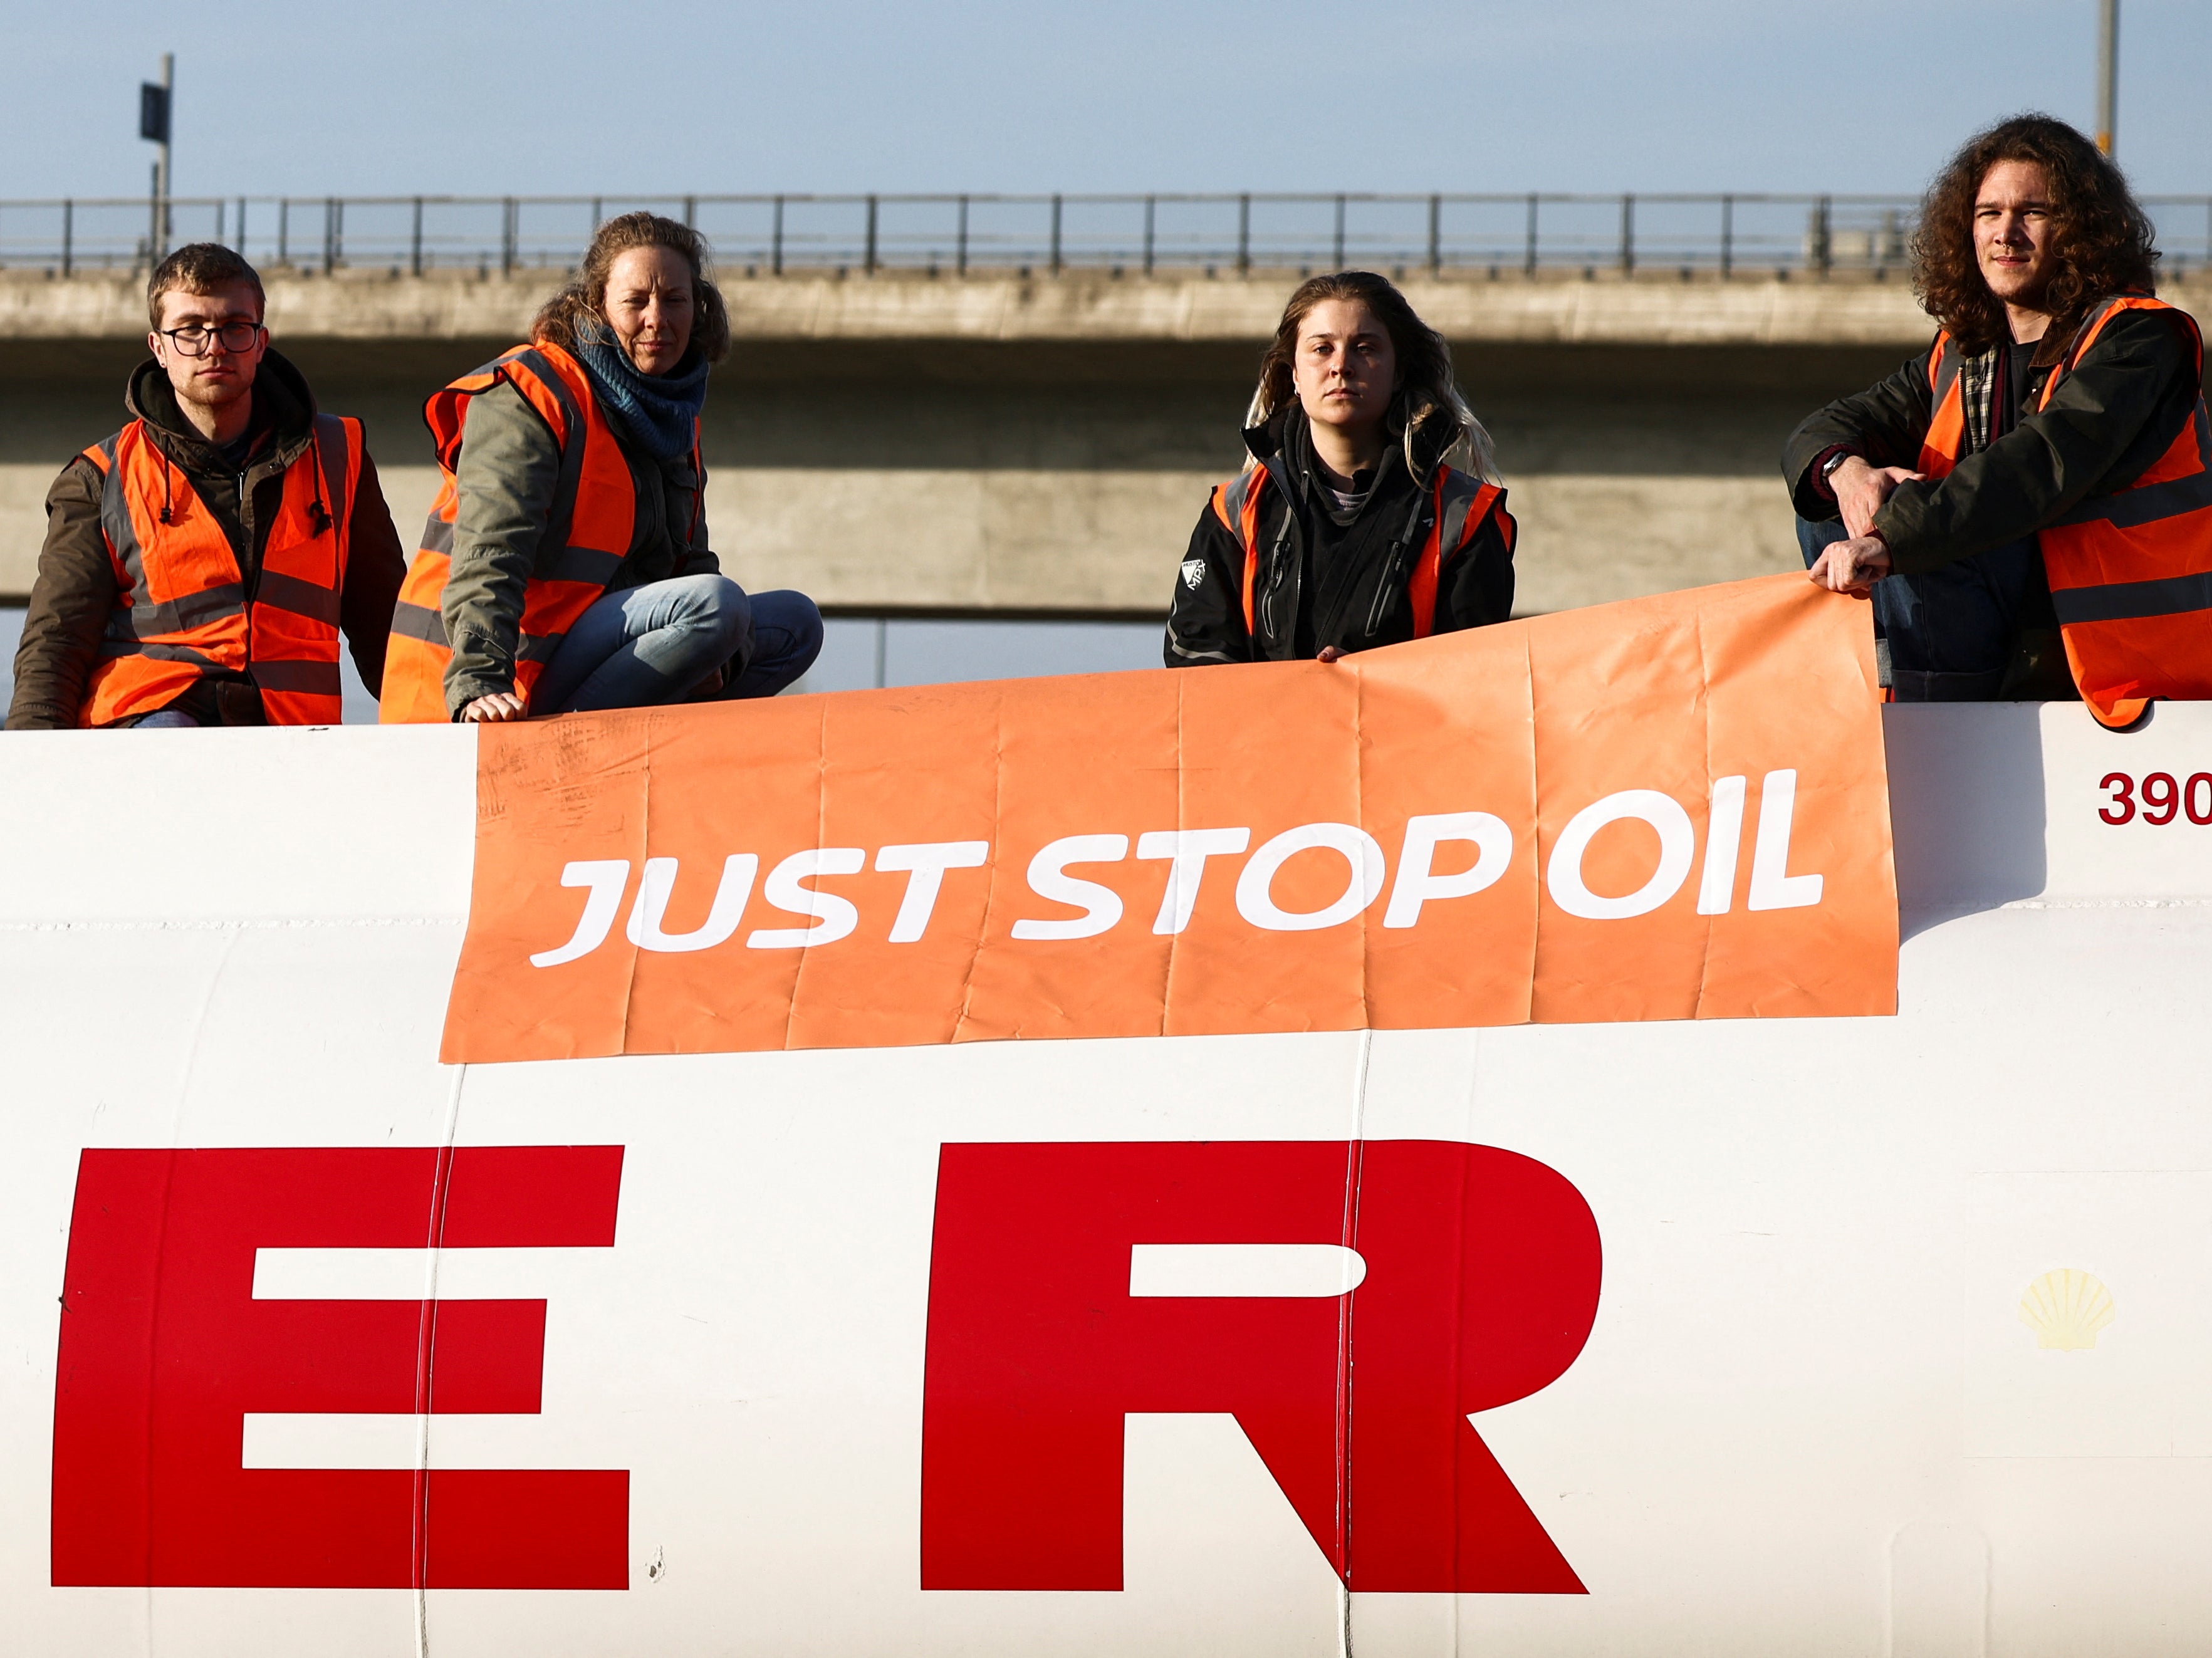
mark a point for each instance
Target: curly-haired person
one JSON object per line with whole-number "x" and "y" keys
{"x": 2033, "y": 494}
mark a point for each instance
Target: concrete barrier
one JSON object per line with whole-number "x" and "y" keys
{"x": 1077, "y": 305}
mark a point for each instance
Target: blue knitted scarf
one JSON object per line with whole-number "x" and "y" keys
{"x": 658, "y": 411}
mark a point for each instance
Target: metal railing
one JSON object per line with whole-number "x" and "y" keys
{"x": 1632, "y": 235}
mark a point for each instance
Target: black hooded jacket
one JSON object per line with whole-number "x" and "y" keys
{"x": 1330, "y": 576}
{"x": 76, "y": 590}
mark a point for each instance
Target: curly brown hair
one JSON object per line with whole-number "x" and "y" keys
{"x": 585, "y": 292}
{"x": 1426, "y": 391}
{"x": 2103, "y": 242}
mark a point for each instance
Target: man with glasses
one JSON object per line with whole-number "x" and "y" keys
{"x": 199, "y": 565}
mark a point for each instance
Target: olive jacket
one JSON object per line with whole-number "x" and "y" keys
{"x": 507, "y": 475}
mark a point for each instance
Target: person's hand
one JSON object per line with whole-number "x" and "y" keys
{"x": 1329, "y": 653}
{"x": 1861, "y": 489}
{"x": 499, "y": 705}
{"x": 1853, "y": 567}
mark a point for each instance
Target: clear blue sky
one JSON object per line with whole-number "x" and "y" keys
{"x": 469, "y": 96}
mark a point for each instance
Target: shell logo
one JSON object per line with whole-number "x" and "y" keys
{"x": 2066, "y": 1309}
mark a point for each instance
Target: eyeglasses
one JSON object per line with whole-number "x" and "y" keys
{"x": 234, "y": 336}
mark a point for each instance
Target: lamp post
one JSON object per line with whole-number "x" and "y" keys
{"x": 2108, "y": 72}
{"x": 154, "y": 127}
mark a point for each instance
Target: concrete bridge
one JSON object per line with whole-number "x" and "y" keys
{"x": 1009, "y": 444}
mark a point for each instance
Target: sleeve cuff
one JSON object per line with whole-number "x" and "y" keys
{"x": 1821, "y": 462}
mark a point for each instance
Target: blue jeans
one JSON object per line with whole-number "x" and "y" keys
{"x": 1951, "y": 632}
{"x": 643, "y": 647}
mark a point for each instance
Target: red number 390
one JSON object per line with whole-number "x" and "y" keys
{"x": 2163, "y": 798}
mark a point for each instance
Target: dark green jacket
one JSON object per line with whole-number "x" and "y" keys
{"x": 508, "y": 473}
{"x": 2114, "y": 414}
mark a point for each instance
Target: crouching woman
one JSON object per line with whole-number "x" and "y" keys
{"x": 1369, "y": 511}
{"x": 566, "y": 565}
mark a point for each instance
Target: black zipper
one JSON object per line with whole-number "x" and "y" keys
{"x": 1386, "y": 587}
{"x": 1278, "y": 570}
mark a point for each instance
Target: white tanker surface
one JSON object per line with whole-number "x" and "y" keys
{"x": 1901, "y": 1341}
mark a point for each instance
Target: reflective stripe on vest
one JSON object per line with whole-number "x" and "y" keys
{"x": 1461, "y": 505}
{"x": 2131, "y": 572}
{"x": 590, "y": 532}
{"x": 1237, "y": 504}
{"x": 182, "y": 613}
{"x": 1458, "y": 506}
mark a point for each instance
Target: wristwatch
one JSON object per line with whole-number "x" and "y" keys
{"x": 1828, "y": 466}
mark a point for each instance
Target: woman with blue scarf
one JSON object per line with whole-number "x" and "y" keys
{"x": 577, "y": 573}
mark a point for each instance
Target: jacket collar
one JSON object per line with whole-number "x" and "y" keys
{"x": 1285, "y": 444}
{"x": 283, "y": 406}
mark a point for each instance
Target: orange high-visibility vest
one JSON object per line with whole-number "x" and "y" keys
{"x": 590, "y": 532}
{"x": 1458, "y": 506}
{"x": 2131, "y": 572}
{"x": 182, "y": 613}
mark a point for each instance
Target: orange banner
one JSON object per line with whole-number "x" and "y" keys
{"x": 1671, "y": 808}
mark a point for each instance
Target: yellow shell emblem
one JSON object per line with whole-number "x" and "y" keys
{"x": 2066, "y": 1309}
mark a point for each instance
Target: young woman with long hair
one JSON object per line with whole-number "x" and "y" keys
{"x": 1369, "y": 511}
